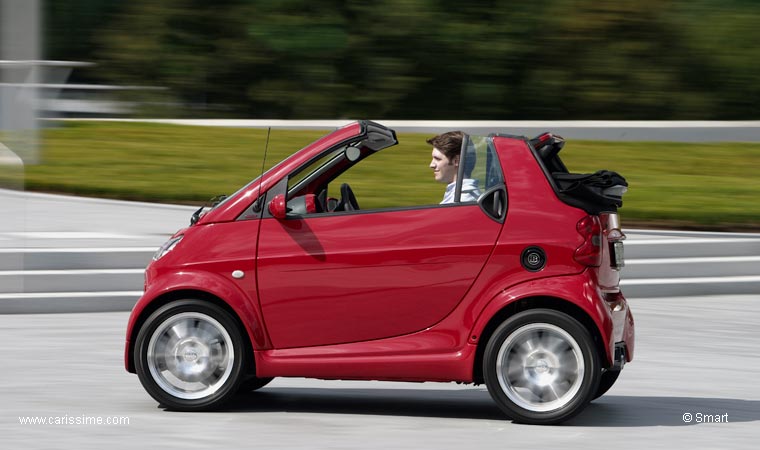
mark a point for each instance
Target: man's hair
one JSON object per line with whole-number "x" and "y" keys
{"x": 448, "y": 143}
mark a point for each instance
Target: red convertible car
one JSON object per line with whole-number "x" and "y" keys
{"x": 518, "y": 289}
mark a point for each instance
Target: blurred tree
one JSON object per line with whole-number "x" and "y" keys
{"x": 724, "y": 58}
{"x": 433, "y": 59}
{"x": 193, "y": 47}
{"x": 305, "y": 44}
{"x": 609, "y": 60}
{"x": 71, "y": 28}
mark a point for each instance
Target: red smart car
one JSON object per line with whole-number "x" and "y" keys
{"x": 517, "y": 289}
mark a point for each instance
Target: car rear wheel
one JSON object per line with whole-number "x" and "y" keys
{"x": 541, "y": 367}
{"x": 608, "y": 379}
{"x": 189, "y": 355}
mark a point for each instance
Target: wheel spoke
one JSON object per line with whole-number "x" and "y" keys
{"x": 520, "y": 382}
{"x": 537, "y": 391}
{"x": 550, "y": 388}
{"x": 533, "y": 342}
{"x": 179, "y": 331}
{"x": 553, "y": 344}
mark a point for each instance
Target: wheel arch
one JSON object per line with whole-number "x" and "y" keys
{"x": 526, "y": 304}
{"x": 181, "y": 294}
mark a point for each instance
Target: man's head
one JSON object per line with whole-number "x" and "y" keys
{"x": 446, "y": 148}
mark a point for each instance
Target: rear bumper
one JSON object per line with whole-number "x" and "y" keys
{"x": 621, "y": 337}
{"x": 620, "y": 358}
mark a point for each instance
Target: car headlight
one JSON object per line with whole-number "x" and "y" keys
{"x": 167, "y": 247}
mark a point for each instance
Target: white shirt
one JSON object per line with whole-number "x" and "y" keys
{"x": 470, "y": 191}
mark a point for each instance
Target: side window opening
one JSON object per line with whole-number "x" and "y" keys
{"x": 397, "y": 178}
{"x": 479, "y": 169}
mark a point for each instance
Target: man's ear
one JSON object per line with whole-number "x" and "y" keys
{"x": 455, "y": 161}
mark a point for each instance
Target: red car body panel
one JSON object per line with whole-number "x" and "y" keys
{"x": 441, "y": 353}
{"x": 217, "y": 250}
{"x": 345, "y": 278}
{"x": 386, "y": 294}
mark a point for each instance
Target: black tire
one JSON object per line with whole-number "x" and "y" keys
{"x": 189, "y": 355}
{"x": 541, "y": 367}
{"x": 254, "y": 384}
{"x": 607, "y": 380}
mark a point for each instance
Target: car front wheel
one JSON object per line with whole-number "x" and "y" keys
{"x": 541, "y": 367}
{"x": 254, "y": 384}
{"x": 189, "y": 355}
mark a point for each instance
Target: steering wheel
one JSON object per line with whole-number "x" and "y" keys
{"x": 347, "y": 199}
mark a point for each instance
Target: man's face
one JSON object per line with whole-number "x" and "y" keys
{"x": 445, "y": 171}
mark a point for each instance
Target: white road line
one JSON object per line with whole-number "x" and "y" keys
{"x": 77, "y": 249}
{"x": 695, "y": 260}
{"x": 688, "y": 280}
{"x": 666, "y": 234}
{"x": 68, "y": 235}
{"x": 76, "y": 199}
{"x": 72, "y": 272}
{"x": 72, "y": 294}
{"x": 689, "y": 241}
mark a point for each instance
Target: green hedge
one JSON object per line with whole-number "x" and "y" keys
{"x": 706, "y": 185}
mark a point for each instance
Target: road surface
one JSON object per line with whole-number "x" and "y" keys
{"x": 695, "y": 355}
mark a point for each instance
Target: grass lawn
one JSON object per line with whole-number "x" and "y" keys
{"x": 707, "y": 186}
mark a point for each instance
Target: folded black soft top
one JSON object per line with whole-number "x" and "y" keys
{"x": 601, "y": 191}
{"x": 598, "y": 192}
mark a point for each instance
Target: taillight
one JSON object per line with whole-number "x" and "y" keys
{"x": 590, "y": 252}
{"x": 615, "y": 237}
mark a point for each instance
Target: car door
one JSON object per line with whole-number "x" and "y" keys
{"x": 363, "y": 275}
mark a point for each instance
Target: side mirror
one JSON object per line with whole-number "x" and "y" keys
{"x": 278, "y": 207}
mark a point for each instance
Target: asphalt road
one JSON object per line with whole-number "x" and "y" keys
{"x": 694, "y": 355}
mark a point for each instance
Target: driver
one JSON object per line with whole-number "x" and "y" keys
{"x": 445, "y": 165}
